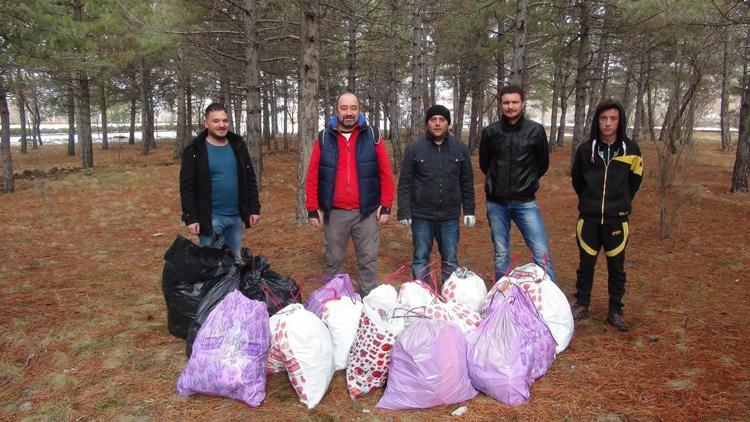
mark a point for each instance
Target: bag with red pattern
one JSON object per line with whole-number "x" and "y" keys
{"x": 301, "y": 341}
{"x": 371, "y": 350}
{"x": 466, "y": 319}
{"x": 466, "y": 288}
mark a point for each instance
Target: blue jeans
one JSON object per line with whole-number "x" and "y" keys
{"x": 446, "y": 233}
{"x": 227, "y": 232}
{"x": 528, "y": 219}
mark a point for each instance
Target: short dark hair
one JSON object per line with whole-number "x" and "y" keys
{"x": 512, "y": 89}
{"x": 215, "y": 107}
{"x": 609, "y": 104}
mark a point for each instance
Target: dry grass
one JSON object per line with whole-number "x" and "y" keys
{"x": 82, "y": 321}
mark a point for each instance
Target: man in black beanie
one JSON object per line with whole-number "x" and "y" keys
{"x": 435, "y": 183}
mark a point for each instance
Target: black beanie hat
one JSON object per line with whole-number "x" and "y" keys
{"x": 438, "y": 110}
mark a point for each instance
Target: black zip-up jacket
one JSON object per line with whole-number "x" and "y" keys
{"x": 607, "y": 180}
{"x": 435, "y": 180}
{"x": 513, "y": 157}
{"x": 195, "y": 183}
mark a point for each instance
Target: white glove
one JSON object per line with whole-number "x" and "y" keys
{"x": 405, "y": 222}
{"x": 470, "y": 220}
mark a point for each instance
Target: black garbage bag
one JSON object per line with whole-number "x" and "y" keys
{"x": 259, "y": 282}
{"x": 209, "y": 300}
{"x": 189, "y": 272}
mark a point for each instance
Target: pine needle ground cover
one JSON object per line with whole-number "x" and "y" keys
{"x": 83, "y": 322}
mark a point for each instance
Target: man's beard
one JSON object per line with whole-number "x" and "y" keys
{"x": 218, "y": 137}
{"x": 348, "y": 126}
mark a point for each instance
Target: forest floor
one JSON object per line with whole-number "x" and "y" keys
{"x": 83, "y": 322}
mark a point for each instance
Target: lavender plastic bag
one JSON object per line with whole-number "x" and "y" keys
{"x": 230, "y": 352}
{"x": 511, "y": 348}
{"x": 340, "y": 285}
{"x": 428, "y": 367}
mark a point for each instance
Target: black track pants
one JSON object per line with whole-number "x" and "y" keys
{"x": 591, "y": 238}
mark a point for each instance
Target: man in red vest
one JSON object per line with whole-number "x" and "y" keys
{"x": 349, "y": 189}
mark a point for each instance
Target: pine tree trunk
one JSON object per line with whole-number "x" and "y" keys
{"x": 560, "y": 141}
{"x": 415, "y": 89}
{"x": 5, "y": 154}
{"x": 266, "y": 117}
{"x": 83, "y": 109}
{"x": 627, "y": 93}
{"x": 460, "y": 86}
{"x": 133, "y": 100}
{"x": 32, "y": 126}
{"x": 83, "y": 105}
{"x": 274, "y": 110}
{"x": 21, "y": 103}
{"x": 308, "y": 93}
{"x": 189, "y": 107}
{"x": 741, "y": 169}
{"x": 105, "y": 139}
{"x": 518, "y": 66}
{"x": 595, "y": 88}
{"x": 726, "y": 136}
{"x": 351, "y": 56}
{"x": 71, "y": 122}
{"x": 237, "y": 109}
{"x": 37, "y": 118}
{"x": 394, "y": 109}
{"x": 582, "y": 78}
{"x": 476, "y": 107}
{"x": 556, "y": 82}
{"x": 285, "y": 94}
{"x": 180, "y": 141}
{"x": 252, "y": 87}
{"x": 640, "y": 109}
{"x": 145, "y": 90}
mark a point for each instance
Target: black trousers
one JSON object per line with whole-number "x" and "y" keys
{"x": 593, "y": 237}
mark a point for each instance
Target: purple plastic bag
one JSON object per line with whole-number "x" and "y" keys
{"x": 428, "y": 367}
{"x": 511, "y": 348}
{"x": 230, "y": 352}
{"x": 340, "y": 285}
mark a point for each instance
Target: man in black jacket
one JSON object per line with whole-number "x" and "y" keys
{"x": 514, "y": 155}
{"x": 435, "y": 182}
{"x": 218, "y": 190}
{"x": 607, "y": 172}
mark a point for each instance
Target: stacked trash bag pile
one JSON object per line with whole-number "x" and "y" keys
{"x": 427, "y": 348}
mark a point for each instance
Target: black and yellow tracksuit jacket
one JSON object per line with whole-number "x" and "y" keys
{"x": 606, "y": 179}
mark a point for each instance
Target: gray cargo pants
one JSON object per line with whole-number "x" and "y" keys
{"x": 364, "y": 233}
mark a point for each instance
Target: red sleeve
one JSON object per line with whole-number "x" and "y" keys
{"x": 311, "y": 181}
{"x": 386, "y": 175}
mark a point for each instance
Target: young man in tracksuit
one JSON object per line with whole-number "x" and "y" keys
{"x": 349, "y": 190}
{"x": 218, "y": 189}
{"x": 436, "y": 181}
{"x": 607, "y": 172}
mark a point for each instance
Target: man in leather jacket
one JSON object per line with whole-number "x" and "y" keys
{"x": 514, "y": 155}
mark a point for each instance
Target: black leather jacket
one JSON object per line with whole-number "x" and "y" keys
{"x": 195, "y": 183}
{"x": 513, "y": 157}
{"x": 435, "y": 181}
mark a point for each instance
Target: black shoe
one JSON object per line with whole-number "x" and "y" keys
{"x": 579, "y": 311}
{"x": 616, "y": 320}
